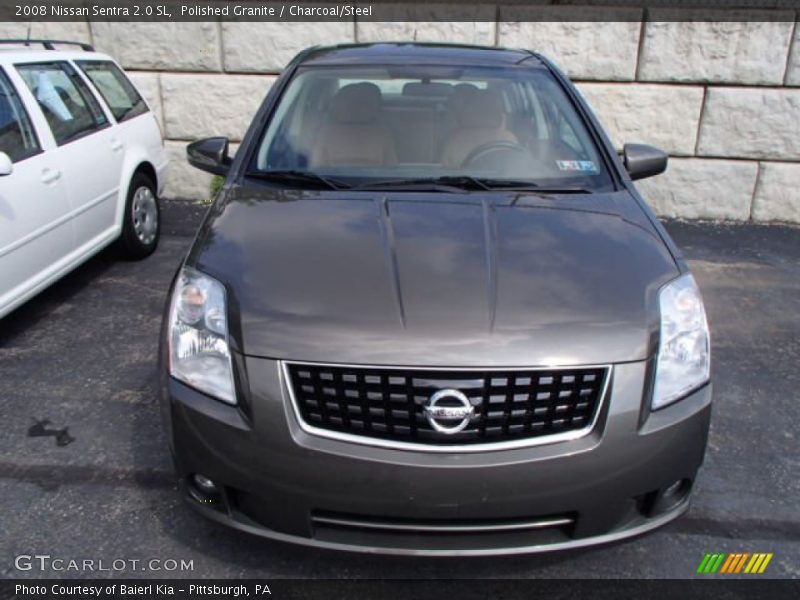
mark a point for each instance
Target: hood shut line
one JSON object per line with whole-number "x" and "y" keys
{"x": 390, "y": 254}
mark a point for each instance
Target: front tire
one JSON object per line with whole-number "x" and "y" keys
{"x": 141, "y": 221}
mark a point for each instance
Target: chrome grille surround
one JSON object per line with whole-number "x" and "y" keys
{"x": 447, "y": 375}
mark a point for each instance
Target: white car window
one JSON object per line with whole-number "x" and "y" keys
{"x": 118, "y": 92}
{"x": 17, "y": 137}
{"x": 67, "y": 103}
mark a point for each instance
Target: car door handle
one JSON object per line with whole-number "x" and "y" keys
{"x": 50, "y": 175}
{"x": 116, "y": 145}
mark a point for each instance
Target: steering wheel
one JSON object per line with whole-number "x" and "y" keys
{"x": 502, "y": 149}
{"x": 495, "y": 147}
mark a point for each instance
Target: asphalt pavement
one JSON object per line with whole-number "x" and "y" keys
{"x": 85, "y": 472}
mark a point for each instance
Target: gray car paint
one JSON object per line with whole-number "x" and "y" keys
{"x": 436, "y": 279}
{"x": 460, "y": 280}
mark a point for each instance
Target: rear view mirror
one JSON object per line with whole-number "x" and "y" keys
{"x": 210, "y": 154}
{"x": 643, "y": 161}
{"x": 6, "y": 166}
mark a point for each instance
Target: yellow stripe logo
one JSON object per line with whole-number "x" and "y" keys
{"x": 736, "y": 563}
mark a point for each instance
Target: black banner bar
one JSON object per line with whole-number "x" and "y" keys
{"x": 290, "y": 589}
{"x": 394, "y": 11}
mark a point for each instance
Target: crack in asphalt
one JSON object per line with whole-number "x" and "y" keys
{"x": 52, "y": 476}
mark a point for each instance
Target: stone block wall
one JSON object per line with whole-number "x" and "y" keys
{"x": 722, "y": 97}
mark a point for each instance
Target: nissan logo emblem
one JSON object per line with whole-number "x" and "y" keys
{"x": 448, "y": 411}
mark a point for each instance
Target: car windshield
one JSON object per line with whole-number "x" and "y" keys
{"x": 389, "y": 126}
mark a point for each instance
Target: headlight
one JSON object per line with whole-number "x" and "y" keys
{"x": 198, "y": 335}
{"x": 684, "y": 353}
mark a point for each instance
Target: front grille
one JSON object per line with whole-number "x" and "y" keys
{"x": 390, "y": 403}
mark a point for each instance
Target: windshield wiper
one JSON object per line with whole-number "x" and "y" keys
{"x": 444, "y": 183}
{"x": 461, "y": 182}
{"x": 467, "y": 182}
{"x": 523, "y": 185}
{"x": 298, "y": 177}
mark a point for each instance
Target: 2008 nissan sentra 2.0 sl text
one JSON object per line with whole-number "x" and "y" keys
{"x": 429, "y": 313}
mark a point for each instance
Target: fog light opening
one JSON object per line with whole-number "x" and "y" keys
{"x": 205, "y": 484}
{"x": 204, "y": 490}
{"x": 673, "y": 495}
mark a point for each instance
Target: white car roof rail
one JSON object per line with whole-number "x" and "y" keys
{"x": 48, "y": 44}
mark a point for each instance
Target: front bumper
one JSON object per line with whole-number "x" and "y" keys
{"x": 631, "y": 474}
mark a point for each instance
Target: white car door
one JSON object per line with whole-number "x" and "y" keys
{"x": 36, "y": 232}
{"x": 136, "y": 125}
{"x": 90, "y": 152}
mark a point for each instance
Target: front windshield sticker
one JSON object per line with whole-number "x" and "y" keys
{"x": 577, "y": 165}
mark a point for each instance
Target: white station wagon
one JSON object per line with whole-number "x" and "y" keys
{"x": 82, "y": 162}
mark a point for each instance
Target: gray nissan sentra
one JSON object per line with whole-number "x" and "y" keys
{"x": 429, "y": 313}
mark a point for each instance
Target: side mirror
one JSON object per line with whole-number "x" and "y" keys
{"x": 210, "y": 154}
{"x": 6, "y": 166}
{"x": 643, "y": 161}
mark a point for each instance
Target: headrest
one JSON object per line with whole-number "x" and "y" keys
{"x": 356, "y": 103}
{"x": 458, "y": 99}
{"x": 483, "y": 108}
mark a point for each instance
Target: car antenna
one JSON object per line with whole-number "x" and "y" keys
{"x": 28, "y": 37}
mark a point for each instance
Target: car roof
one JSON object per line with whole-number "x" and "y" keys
{"x": 417, "y": 53}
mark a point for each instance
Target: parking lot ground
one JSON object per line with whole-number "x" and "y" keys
{"x": 78, "y": 365}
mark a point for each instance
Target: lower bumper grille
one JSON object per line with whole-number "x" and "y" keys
{"x": 454, "y": 527}
{"x": 445, "y": 408}
{"x": 442, "y": 536}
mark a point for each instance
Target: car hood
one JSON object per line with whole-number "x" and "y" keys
{"x": 436, "y": 279}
